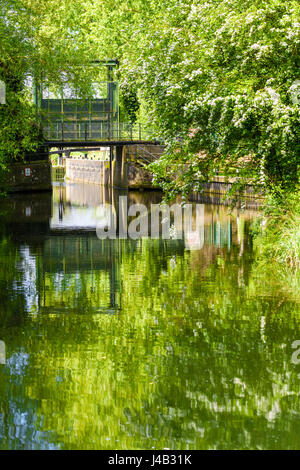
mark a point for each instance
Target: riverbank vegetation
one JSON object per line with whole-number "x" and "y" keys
{"x": 219, "y": 82}
{"x": 278, "y": 236}
{"x": 216, "y": 79}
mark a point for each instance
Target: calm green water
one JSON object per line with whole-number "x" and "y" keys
{"x": 140, "y": 344}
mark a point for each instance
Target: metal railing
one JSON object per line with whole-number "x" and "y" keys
{"x": 142, "y": 156}
{"x": 96, "y": 130}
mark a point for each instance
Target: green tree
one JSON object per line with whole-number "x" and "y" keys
{"x": 44, "y": 43}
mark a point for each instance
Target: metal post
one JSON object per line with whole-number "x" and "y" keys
{"x": 110, "y": 164}
{"x": 60, "y": 156}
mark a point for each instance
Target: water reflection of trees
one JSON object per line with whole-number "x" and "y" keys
{"x": 198, "y": 355}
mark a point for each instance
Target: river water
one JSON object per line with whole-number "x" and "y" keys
{"x": 141, "y": 343}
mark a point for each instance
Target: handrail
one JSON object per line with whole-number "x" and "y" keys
{"x": 94, "y": 130}
{"x": 146, "y": 159}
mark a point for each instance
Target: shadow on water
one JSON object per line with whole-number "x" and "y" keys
{"x": 139, "y": 343}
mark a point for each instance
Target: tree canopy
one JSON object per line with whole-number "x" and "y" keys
{"x": 214, "y": 77}
{"x": 218, "y": 76}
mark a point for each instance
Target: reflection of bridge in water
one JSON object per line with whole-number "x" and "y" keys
{"x": 77, "y": 207}
{"x": 69, "y": 263}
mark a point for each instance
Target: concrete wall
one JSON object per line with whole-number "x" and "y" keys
{"x": 216, "y": 192}
{"x": 125, "y": 171}
{"x": 96, "y": 172}
{"x": 34, "y": 176}
{"x": 88, "y": 171}
{"x": 138, "y": 177}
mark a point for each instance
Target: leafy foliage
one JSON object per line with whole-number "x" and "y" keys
{"x": 130, "y": 102}
{"x": 215, "y": 77}
{"x": 37, "y": 42}
{"x": 278, "y": 237}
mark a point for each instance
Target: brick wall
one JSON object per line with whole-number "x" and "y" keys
{"x": 34, "y": 176}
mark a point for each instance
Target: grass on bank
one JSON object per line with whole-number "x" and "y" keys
{"x": 278, "y": 238}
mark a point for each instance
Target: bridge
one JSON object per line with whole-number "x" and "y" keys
{"x": 67, "y": 118}
{"x": 76, "y": 133}
{"x": 71, "y": 122}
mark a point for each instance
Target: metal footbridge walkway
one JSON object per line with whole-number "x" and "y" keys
{"x": 97, "y": 133}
